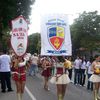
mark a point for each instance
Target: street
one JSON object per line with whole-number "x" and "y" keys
{"x": 34, "y": 91}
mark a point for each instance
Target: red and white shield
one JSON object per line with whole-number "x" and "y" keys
{"x": 19, "y": 36}
{"x": 56, "y": 37}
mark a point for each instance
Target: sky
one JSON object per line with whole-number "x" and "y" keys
{"x": 70, "y": 7}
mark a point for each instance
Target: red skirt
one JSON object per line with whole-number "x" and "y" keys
{"x": 60, "y": 71}
{"x": 19, "y": 74}
{"x": 47, "y": 72}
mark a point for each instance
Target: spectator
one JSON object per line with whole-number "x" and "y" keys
{"x": 77, "y": 65}
{"x": 83, "y": 72}
{"x": 5, "y": 72}
{"x": 89, "y": 73}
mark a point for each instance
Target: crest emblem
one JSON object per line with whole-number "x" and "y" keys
{"x": 56, "y": 37}
{"x": 19, "y": 36}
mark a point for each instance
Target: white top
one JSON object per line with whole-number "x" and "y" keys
{"x": 83, "y": 66}
{"x": 59, "y": 65}
{"x": 34, "y": 60}
{"x": 22, "y": 63}
{"x": 77, "y": 63}
{"x": 5, "y": 63}
{"x": 89, "y": 66}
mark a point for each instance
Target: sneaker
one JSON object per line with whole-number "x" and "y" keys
{"x": 46, "y": 88}
{"x": 76, "y": 84}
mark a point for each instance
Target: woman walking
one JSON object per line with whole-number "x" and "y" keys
{"x": 95, "y": 78}
{"x": 19, "y": 75}
{"x": 60, "y": 78}
{"x": 46, "y": 65}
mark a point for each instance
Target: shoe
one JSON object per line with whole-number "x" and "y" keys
{"x": 9, "y": 90}
{"x": 76, "y": 84}
{"x": 46, "y": 88}
{"x": 3, "y": 91}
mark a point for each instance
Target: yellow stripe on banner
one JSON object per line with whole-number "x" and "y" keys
{"x": 60, "y": 32}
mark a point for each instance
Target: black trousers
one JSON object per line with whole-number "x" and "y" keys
{"x": 70, "y": 73}
{"x": 5, "y": 80}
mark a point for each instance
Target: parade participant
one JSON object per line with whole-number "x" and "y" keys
{"x": 19, "y": 75}
{"x": 60, "y": 78}
{"x": 95, "y": 78}
{"x": 46, "y": 72}
{"x": 34, "y": 64}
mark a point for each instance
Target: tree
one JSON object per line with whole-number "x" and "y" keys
{"x": 86, "y": 31}
{"x": 10, "y": 9}
{"x": 34, "y": 43}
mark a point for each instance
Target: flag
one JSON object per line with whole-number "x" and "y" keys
{"x": 55, "y": 35}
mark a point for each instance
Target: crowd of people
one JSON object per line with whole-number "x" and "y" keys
{"x": 59, "y": 70}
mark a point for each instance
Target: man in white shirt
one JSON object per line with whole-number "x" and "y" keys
{"x": 5, "y": 74}
{"x": 77, "y": 65}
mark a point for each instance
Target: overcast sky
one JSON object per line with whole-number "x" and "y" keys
{"x": 70, "y": 7}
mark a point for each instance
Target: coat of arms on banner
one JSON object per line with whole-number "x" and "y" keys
{"x": 56, "y": 36}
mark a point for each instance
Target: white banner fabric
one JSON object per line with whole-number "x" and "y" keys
{"x": 55, "y": 35}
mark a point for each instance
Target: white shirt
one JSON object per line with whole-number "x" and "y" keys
{"x": 89, "y": 65}
{"x": 34, "y": 60}
{"x": 5, "y": 63}
{"x": 77, "y": 63}
{"x": 83, "y": 66}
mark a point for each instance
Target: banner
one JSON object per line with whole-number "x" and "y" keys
{"x": 55, "y": 35}
{"x": 19, "y": 36}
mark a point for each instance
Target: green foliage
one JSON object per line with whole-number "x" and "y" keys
{"x": 34, "y": 43}
{"x": 86, "y": 31}
{"x": 10, "y": 9}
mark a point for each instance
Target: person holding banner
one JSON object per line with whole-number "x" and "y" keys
{"x": 19, "y": 41}
{"x": 56, "y": 41}
{"x": 19, "y": 75}
{"x": 60, "y": 78}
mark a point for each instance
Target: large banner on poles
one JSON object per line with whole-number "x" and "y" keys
{"x": 19, "y": 36}
{"x": 55, "y": 35}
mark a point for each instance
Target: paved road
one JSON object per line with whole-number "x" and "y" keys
{"x": 34, "y": 91}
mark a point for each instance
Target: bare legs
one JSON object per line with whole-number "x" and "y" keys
{"x": 96, "y": 90}
{"x": 61, "y": 89}
{"x": 46, "y": 83}
{"x": 20, "y": 85}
